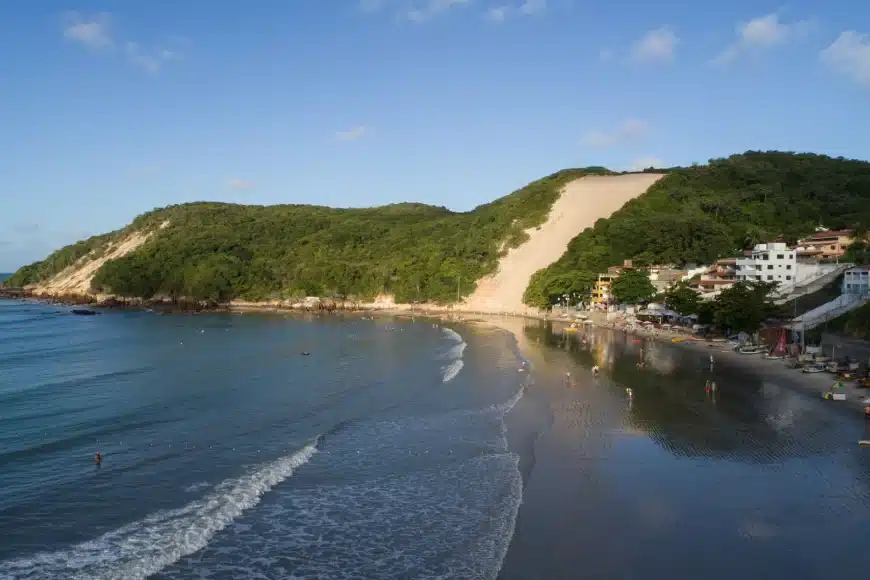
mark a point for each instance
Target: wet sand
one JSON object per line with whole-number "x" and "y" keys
{"x": 762, "y": 480}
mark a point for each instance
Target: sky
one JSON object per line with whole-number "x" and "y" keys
{"x": 112, "y": 108}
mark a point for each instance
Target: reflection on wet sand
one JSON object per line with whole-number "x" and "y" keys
{"x": 680, "y": 480}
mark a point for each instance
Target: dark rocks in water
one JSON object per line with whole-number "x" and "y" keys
{"x": 84, "y": 312}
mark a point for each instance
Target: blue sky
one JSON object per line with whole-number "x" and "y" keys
{"x": 112, "y": 108}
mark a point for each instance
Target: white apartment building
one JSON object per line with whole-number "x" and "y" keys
{"x": 773, "y": 262}
{"x": 857, "y": 281}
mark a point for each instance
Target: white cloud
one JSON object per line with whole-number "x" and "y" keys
{"x": 91, "y": 31}
{"x": 152, "y": 61}
{"x": 655, "y": 46}
{"x": 628, "y": 130}
{"x": 428, "y": 9}
{"x": 240, "y": 184}
{"x": 497, "y": 14}
{"x": 762, "y": 33}
{"x": 353, "y": 134}
{"x": 850, "y": 55}
{"x": 94, "y": 32}
{"x": 533, "y": 6}
{"x": 371, "y": 5}
{"x": 642, "y": 163}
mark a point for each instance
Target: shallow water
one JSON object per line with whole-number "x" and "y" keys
{"x": 758, "y": 481}
{"x": 227, "y": 454}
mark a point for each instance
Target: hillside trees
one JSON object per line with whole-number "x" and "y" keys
{"x": 698, "y": 214}
{"x": 215, "y": 251}
{"x": 633, "y": 287}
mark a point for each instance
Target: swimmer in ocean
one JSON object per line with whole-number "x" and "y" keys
{"x": 98, "y": 459}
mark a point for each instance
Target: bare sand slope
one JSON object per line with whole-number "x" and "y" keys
{"x": 76, "y": 279}
{"x": 582, "y": 202}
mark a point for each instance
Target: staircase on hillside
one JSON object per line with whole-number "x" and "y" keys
{"x": 811, "y": 284}
{"x": 828, "y": 311}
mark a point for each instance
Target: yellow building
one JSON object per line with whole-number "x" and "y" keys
{"x": 601, "y": 291}
{"x": 826, "y": 245}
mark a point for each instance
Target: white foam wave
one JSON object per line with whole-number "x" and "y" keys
{"x": 455, "y": 353}
{"x": 452, "y": 334}
{"x": 451, "y": 370}
{"x": 143, "y": 548}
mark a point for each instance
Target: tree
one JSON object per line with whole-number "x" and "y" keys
{"x": 745, "y": 306}
{"x": 633, "y": 287}
{"x": 858, "y": 253}
{"x": 682, "y": 298}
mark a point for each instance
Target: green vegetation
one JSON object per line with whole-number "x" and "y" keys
{"x": 58, "y": 260}
{"x": 218, "y": 251}
{"x": 858, "y": 253}
{"x": 744, "y": 306}
{"x": 698, "y": 214}
{"x": 633, "y": 287}
{"x": 682, "y": 298}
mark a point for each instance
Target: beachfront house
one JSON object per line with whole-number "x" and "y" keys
{"x": 856, "y": 281}
{"x": 663, "y": 277}
{"x": 825, "y": 245}
{"x": 722, "y": 274}
{"x": 770, "y": 262}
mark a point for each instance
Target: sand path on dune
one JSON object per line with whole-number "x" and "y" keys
{"x": 582, "y": 203}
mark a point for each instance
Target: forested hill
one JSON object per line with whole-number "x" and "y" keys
{"x": 698, "y": 214}
{"x": 219, "y": 251}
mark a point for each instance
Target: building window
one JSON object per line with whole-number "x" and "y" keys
{"x": 770, "y": 267}
{"x": 765, "y": 257}
{"x": 833, "y": 247}
{"x": 788, "y": 267}
{"x": 790, "y": 256}
{"x": 788, "y": 277}
{"x": 779, "y": 256}
{"x": 770, "y": 277}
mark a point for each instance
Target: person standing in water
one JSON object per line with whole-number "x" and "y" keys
{"x": 98, "y": 459}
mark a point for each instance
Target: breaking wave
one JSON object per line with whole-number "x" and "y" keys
{"x": 454, "y": 355}
{"x": 142, "y": 548}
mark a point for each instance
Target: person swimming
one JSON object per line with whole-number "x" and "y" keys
{"x": 98, "y": 458}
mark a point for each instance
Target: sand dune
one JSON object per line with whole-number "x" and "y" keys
{"x": 582, "y": 202}
{"x": 76, "y": 279}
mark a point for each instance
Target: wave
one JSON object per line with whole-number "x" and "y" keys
{"x": 146, "y": 547}
{"x": 452, "y": 334}
{"x": 449, "y": 372}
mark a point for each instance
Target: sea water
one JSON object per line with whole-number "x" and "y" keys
{"x": 229, "y": 453}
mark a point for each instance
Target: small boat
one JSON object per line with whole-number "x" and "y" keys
{"x": 677, "y": 339}
{"x": 772, "y": 356}
{"x": 832, "y": 396}
{"x": 752, "y": 349}
{"x": 84, "y": 312}
{"x": 814, "y": 368}
{"x": 864, "y": 442}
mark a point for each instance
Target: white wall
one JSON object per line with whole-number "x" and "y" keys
{"x": 774, "y": 262}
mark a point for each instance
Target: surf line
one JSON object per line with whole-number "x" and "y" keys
{"x": 145, "y": 547}
{"x": 454, "y": 355}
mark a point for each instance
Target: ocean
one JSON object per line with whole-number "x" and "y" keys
{"x": 228, "y": 453}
